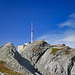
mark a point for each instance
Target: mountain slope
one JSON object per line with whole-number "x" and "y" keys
{"x": 12, "y": 58}
{"x": 34, "y": 51}
{"x": 38, "y": 58}
{"x": 50, "y": 59}
{"x": 4, "y": 70}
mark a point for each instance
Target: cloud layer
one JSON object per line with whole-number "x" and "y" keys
{"x": 72, "y": 15}
{"x": 67, "y": 37}
{"x": 68, "y": 23}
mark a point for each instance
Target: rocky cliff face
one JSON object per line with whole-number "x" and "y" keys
{"x": 50, "y": 60}
{"x": 13, "y": 59}
{"x": 38, "y": 58}
{"x": 34, "y": 51}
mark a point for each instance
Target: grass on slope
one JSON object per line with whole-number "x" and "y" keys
{"x": 6, "y": 70}
{"x": 54, "y": 50}
{"x": 67, "y": 52}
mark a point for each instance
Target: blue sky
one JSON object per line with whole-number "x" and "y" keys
{"x": 53, "y": 20}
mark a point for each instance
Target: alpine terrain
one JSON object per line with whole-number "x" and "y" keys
{"x": 37, "y": 58}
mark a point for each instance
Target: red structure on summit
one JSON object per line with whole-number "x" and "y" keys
{"x": 31, "y": 32}
{"x": 63, "y": 44}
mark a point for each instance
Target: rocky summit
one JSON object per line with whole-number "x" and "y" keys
{"x": 38, "y": 58}
{"x": 13, "y": 61}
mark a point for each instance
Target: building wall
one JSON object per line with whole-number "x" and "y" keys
{"x": 59, "y": 45}
{"x": 26, "y": 44}
{"x": 20, "y": 48}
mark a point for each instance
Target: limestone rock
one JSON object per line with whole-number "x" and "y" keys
{"x": 34, "y": 51}
{"x": 50, "y": 60}
{"x": 12, "y": 58}
{"x": 40, "y": 58}
{"x": 61, "y": 63}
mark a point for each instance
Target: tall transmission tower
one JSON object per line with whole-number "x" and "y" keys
{"x": 31, "y": 32}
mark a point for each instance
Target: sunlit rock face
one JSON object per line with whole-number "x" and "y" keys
{"x": 50, "y": 59}
{"x": 39, "y": 58}
{"x": 12, "y": 58}
{"x": 35, "y": 50}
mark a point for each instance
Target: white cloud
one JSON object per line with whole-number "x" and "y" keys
{"x": 69, "y": 23}
{"x": 72, "y": 15}
{"x": 67, "y": 37}
{"x": 51, "y": 38}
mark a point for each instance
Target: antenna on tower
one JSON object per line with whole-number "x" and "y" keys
{"x": 31, "y": 32}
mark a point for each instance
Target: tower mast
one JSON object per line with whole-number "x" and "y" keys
{"x": 31, "y": 32}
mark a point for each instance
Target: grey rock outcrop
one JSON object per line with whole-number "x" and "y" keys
{"x": 40, "y": 58}
{"x": 12, "y": 58}
{"x": 34, "y": 51}
{"x": 50, "y": 60}
{"x": 1, "y": 73}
